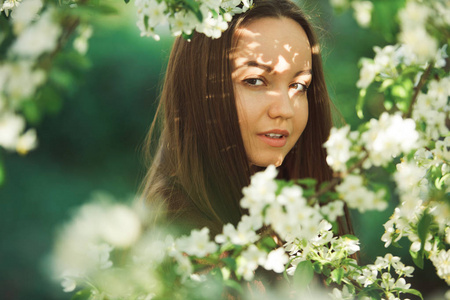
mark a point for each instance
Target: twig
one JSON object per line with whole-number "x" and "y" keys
{"x": 417, "y": 89}
{"x": 336, "y": 180}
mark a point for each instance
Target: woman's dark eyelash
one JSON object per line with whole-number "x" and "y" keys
{"x": 252, "y": 81}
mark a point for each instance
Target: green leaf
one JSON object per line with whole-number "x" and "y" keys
{"x": 337, "y": 275}
{"x": 304, "y": 274}
{"x": 31, "y": 111}
{"x": 82, "y": 295}
{"x": 234, "y": 285}
{"x": 410, "y": 291}
{"x": 423, "y": 227}
{"x": 230, "y": 262}
{"x": 195, "y": 8}
{"x": 268, "y": 243}
{"x": 127, "y": 1}
{"x": 309, "y": 182}
{"x": 417, "y": 258}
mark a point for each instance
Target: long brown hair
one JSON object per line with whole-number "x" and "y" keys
{"x": 200, "y": 163}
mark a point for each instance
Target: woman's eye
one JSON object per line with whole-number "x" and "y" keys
{"x": 299, "y": 87}
{"x": 254, "y": 81}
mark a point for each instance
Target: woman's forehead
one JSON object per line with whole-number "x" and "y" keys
{"x": 278, "y": 43}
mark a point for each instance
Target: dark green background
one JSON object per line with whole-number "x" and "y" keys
{"x": 92, "y": 143}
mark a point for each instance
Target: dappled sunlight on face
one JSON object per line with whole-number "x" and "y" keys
{"x": 271, "y": 74}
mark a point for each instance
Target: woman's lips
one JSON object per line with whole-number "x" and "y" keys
{"x": 274, "y": 138}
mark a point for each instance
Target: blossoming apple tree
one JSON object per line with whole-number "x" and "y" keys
{"x": 113, "y": 251}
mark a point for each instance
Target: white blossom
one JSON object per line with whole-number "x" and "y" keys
{"x": 24, "y": 14}
{"x": 11, "y": 127}
{"x": 343, "y": 294}
{"x": 261, "y": 191}
{"x": 363, "y": 12}
{"x": 357, "y": 196}
{"x": 26, "y": 142}
{"x": 441, "y": 260}
{"x": 368, "y": 276}
{"x": 338, "y": 148}
{"x": 388, "y": 137}
{"x": 39, "y": 38}
{"x": 420, "y": 43}
{"x": 197, "y": 243}
{"x": 249, "y": 261}
{"x": 333, "y": 210}
{"x": 276, "y": 260}
{"x": 367, "y": 73}
{"x": 8, "y": 5}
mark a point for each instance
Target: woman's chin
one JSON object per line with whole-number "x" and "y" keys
{"x": 263, "y": 163}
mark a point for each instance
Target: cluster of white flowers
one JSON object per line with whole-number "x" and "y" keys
{"x": 209, "y": 17}
{"x": 379, "y": 274}
{"x": 362, "y": 12}
{"x": 12, "y": 135}
{"x": 441, "y": 260}
{"x": 8, "y": 5}
{"x": 432, "y": 109}
{"x": 34, "y": 36}
{"x": 84, "y": 245}
{"x": 413, "y": 34}
{"x": 353, "y": 191}
{"x": 388, "y": 137}
{"x": 416, "y": 47}
{"x": 339, "y": 147}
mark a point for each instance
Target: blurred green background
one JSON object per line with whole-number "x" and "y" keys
{"x": 93, "y": 143}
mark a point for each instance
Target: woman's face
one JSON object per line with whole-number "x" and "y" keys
{"x": 271, "y": 74}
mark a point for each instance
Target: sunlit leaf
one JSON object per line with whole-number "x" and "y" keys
{"x": 304, "y": 274}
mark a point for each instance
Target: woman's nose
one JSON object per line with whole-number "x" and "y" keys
{"x": 281, "y": 105}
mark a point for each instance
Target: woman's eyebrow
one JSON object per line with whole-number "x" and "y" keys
{"x": 266, "y": 68}
{"x": 269, "y": 69}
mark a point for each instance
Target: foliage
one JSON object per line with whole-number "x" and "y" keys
{"x": 111, "y": 251}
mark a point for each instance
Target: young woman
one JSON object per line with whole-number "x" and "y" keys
{"x": 234, "y": 105}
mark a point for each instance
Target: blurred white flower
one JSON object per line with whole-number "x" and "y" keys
{"x": 26, "y": 142}
{"x": 338, "y": 148}
{"x": 83, "y": 245}
{"x": 276, "y": 260}
{"x": 414, "y": 15}
{"x": 261, "y": 191}
{"x": 24, "y": 14}
{"x": 343, "y": 294}
{"x": 388, "y": 137}
{"x": 39, "y": 38}
{"x": 211, "y": 26}
{"x": 408, "y": 176}
{"x": 387, "y": 59}
{"x": 333, "y": 210}
{"x": 363, "y": 12}
{"x": 420, "y": 43}
{"x": 242, "y": 235}
{"x": 12, "y": 77}
{"x": 367, "y": 73}
{"x": 357, "y": 196}
{"x": 339, "y": 4}
{"x": 183, "y": 22}
{"x": 249, "y": 261}
{"x": 197, "y": 243}
{"x": 441, "y": 261}
{"x": 81, "y": 41}
{"x": 11, "y": 127}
